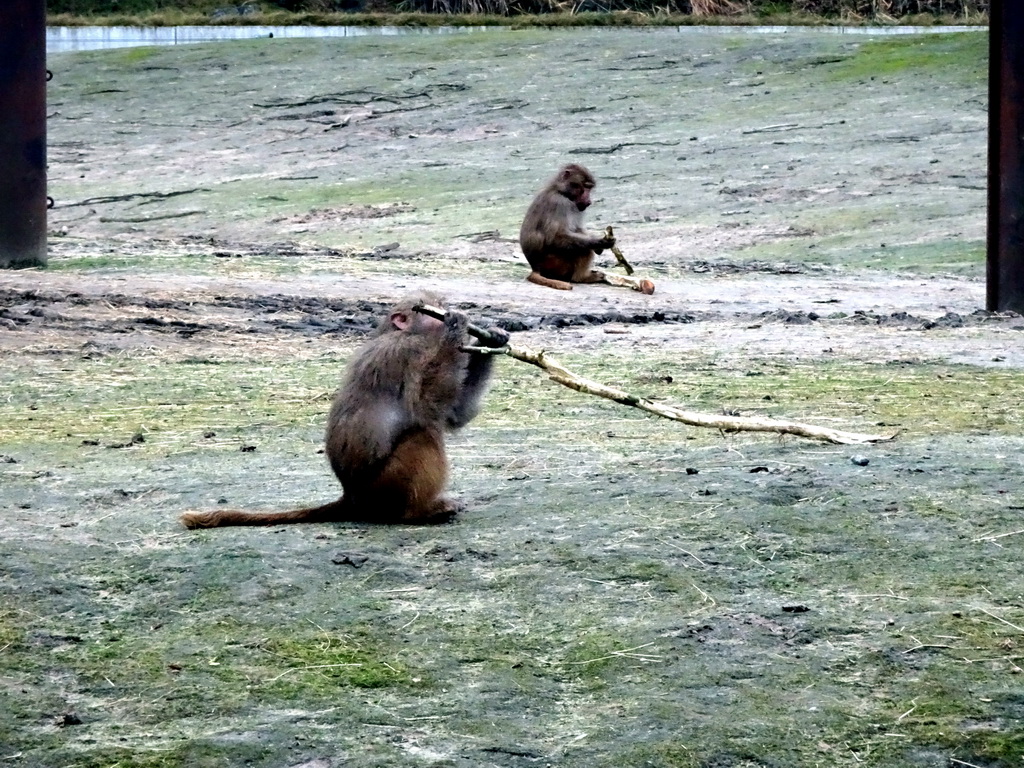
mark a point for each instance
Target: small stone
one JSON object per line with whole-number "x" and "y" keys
{"x": 355, "y": 559}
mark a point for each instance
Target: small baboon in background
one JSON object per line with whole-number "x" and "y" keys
{"x": 560, "y": 251}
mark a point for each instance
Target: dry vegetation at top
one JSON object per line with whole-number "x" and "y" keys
{"x": 515, "y": 12}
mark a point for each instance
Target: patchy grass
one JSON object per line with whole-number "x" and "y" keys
{"x": 946, "y": 257}
{"x": 102, "y": 401}
{"x": 142, "y": 672}
{"x": 964, "y": 56}
{"x": 598, "y": 586}
{"x": 622, "y": 590}
{"x": 171, "y": 407}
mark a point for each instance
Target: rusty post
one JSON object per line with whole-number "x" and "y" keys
{"x": 22, "y": 133}
{"x": 1005, "y": 158}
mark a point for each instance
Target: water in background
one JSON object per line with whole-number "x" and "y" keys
{"x": 62, "y": 39}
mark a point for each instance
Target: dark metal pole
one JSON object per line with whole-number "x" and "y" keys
{"x": 1006, "y": 158}
{"x": 22, "y": 133}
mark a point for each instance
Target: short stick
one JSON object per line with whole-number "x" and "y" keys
{"x": 618, "y": 254}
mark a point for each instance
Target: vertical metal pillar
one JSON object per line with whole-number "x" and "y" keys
{"x": 1006, "y": 157}
{"x": 22, "y": 133}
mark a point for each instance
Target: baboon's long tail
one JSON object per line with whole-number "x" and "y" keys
{"x": 326, "y": 513}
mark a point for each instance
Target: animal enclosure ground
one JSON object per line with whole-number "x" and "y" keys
{"x": 623, "y": 591}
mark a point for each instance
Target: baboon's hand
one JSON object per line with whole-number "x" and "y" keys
{"x": 498, "y": 337}
{"x": 455, "y": 325}
{"x": 604, "y": 243}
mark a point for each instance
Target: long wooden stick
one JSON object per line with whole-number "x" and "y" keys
{"x": 559, "y": 373}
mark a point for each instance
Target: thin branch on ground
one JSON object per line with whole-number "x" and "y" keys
{"x": 994, "y": 536}
{"x": 1004, "y": 621}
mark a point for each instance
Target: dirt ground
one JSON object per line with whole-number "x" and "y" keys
{"x": 229, "y": 221}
